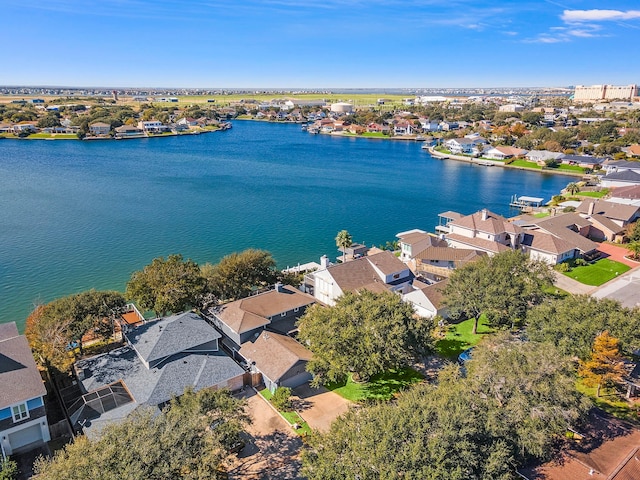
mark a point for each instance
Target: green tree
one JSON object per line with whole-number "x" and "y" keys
{"x": 572, "y": 323}
{"x": 572, "y": 188}
{"x": 343, "y": 241}
{"x": 188, "y": 440}
{"x": 605, "y": 365}
{"x": 634, "y": 248}
{"x": 238, "y": 274}
{"x": 52, "y": 327}
{"x": 503, "y": 287}
{"x": 362, "y": 335}
{"x": 515, "y": 403}
{"x": 633, "y": 231}
{"x": 281, "y": 398}
{"x": 170, "y": 285}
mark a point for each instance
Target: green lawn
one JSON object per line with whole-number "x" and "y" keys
{"x": 291, "y": 416}
{"x": 525, "y": 164}
{"x": 599, "y": 194}
{"x": 568, "y": 168}
{"x": 459, "y": 337}
{"x": 598, "y": 272}
{"x": 609, "y": 401}
{"x": 541, "y": 214}
{"x": 54, "y": 136}
{"x": 379, "y": 387}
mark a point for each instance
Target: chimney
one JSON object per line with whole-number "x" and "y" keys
{"x": 592, "y": 208}
{"x": 485, "y": 214}
{"x": 324, "y": 262}
{"x": 279, "y": 287}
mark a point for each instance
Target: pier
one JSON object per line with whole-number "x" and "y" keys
{"x": 524, "y": 203}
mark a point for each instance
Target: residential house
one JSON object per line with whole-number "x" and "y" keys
{"x": 551, "y": 249}
{"x": 633, "y": 151}
{"x": 438, "y": 262}
{"x": 620, "y": 178}
{"x": 24, "y": 127}
{"x": 356, "y": 129}
{"x": 152, "y": 126}
{"x": 128, "y": 131}
{"x": 583, "y": 161}
{"x": 622, "y": 215}
{"x": 484, "y": 231}
{"x": 160, "y": 359}
{"x": 414, "y": 241}
{"x": 448, "y": 126}
{"x": 626, "y": 195}
{"x": 465, "y": 146}
{"x": 542, "y": 157}
{"x": 403, "y": 128}
{"x": 612, "y": 166}
{"x": 504, "y": 153}
{"x": 427, "y": 300}
{"x": 280, "y": 359}
{"x": 570, "y": 227}
{"x": 99, "y": 128}
{"x": 381, "y": 272}
{"x": 429, "y": 125}
{"x": 378, "y": 128}
{"x": 243, "y": 320}
{"x": 23, "y": 420}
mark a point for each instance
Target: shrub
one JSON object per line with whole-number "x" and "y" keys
{"x": 563, "y": 267}
{"x": 282, "y": 398}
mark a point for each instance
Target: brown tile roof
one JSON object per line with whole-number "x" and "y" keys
{"x": 631, "y": 192}
{"x": 462, "y": 255}
{"x": 494, "y": 224}
{"x": 565, "y": 220}
{"x": 274, "y": 354}
{"x": 607, "y": 223}
{"x": 8, "y": 330}
{"x": 253, "y": 312}
{"x": 608, "y": 451}
{"x": 414, "y": 237}
{"x": 360, "y": 274}
{"x": 616, "y": 211}
{"x": 450, "y": 214}
{"x": 634, "y": 149}
{"x": 435, "y": 293}
{"x": 511, "y": 150}
{"x": 545, "y": 242}
{"x": 478, "y": 243}
{"x": 19, "y": 375}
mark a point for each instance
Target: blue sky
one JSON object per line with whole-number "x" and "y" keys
{"x": 319, "y": 44}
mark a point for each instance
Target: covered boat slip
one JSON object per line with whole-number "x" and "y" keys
{"x": 524, "y": 202}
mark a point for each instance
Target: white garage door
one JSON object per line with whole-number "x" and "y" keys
{"x": 24, "y": 437}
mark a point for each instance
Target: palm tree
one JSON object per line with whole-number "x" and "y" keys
{"x": 344, "y": 241}
{"x": 572, "y": 188}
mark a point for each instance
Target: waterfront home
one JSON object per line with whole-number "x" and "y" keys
{"x": 548, "y": 248}
{"x": 485, "y": 231}
{"x": 626, "y": 195}
{"x": 570, "y": 227}
{"x": 427, "y": 300}
{"x": 504, "y": 153}
{"x": 448, "y": 126}
{"x": 160, "y": 359}
{"x": 622, "y": 215}
{"x": 280, "y": 359}
{"x": 243, "y": 320}
{"x": 612, "y": 166}
{"x": 464, "y": 146}
{"x": 438, "y": 262}
{"x": 414, "y": 241}
{"x": 621, "y": 178}
{"x": 543, "y": 157}
{"x": 25, "y": 127}
{"x": 380, "y": 272}
{"x": 152, "y": 126}
{"x": 99, "y": 129}
{"x": 377, "y": 128}
{"x": 429, "y": 125}
{"x": 403, "y": 128}
{"x": 128, "y": 131}
{"x": 23, "y": 419}
{"x": 583, "y": 161}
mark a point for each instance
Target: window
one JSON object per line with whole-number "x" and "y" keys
{"x": 296, "y": 309}
{"x": 20, "y": 412}
{"x": 396, "y": 276}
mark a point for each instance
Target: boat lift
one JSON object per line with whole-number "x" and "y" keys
{"x": 525, "y": 203}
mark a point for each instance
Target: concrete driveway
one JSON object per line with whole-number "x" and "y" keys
{"x": 318, "y": 406}
{"x": 625, "y": 289}
{"x": 272, "y": 448}
{"x": 572, "y": 286}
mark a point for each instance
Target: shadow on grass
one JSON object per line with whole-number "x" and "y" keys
{"x": 451, "y": 348}
{"x": 382, "y": 386}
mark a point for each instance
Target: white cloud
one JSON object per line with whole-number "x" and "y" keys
{"x": 578, "y": 16}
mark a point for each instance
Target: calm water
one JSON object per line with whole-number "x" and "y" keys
{"x": 80, "y": 215}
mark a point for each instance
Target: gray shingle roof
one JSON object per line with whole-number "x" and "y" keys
{"x": 19, "y": 376}
{"x": 168, "y": 336}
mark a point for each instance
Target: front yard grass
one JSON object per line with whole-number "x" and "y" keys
{"x": 291, "y": 416}
{"x": 525, "y": 164}
{"x": 459, "y": 337}
{"x": 599, "y": 194}
{"x": 598, "y": 272}
{"x": 382, "y": 386}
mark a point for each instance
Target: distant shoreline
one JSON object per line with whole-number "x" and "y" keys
{"x": 68, "y": 136}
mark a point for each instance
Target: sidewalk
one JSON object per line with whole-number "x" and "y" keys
{"x": 572, "y": 286}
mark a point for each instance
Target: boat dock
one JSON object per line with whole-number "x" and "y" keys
{"x": 525, "y": 203}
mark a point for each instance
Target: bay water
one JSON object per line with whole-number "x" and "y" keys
{"x": 76, "y": 215}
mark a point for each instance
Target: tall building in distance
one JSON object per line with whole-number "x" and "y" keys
{"x": 597, "y": 93}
